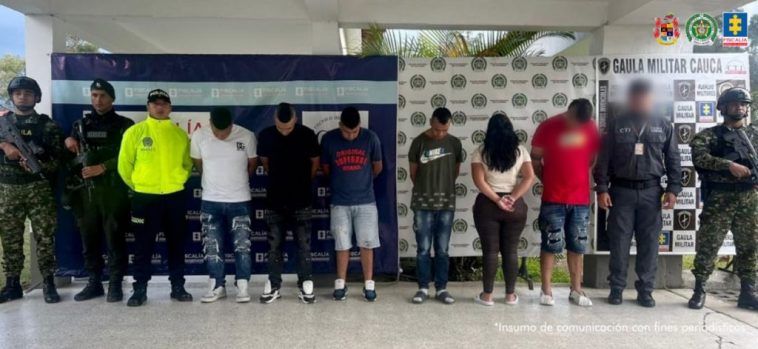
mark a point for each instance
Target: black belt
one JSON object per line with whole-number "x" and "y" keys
{"x": 18, "y": 180}
{"x": 624, "y": 183}
{"x": 731, "y": 187}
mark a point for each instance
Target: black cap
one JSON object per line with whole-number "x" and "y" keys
{"x": 157, "y": 94}
{"x": 100, "y": 84}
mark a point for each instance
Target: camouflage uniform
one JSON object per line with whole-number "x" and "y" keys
{"x": 724, "y": 209}
{"x": 23, "y": 195}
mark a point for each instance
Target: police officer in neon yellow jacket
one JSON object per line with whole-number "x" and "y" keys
{"x": 154, "y": 162}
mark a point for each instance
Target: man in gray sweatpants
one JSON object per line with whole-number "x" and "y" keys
{"x": 638, "y": 148}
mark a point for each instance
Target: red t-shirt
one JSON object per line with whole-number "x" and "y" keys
{"x": 567, "y": 157}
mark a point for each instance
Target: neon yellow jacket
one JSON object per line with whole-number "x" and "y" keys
{"x": 154, "y": 157}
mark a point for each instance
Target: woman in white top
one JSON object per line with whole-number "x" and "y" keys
{"x": 499, "y": 211}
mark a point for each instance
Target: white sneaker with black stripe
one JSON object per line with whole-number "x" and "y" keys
{"x": 306, "y": 293}
{"x": 270, "y": 294}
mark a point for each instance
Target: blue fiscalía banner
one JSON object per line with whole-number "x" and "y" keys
{"x": 251, "y": 86}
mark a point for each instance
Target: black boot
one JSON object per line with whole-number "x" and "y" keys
{"x": 115, "y": 292}
{"x": 747, "y": 299}
{"x": 139, "y": 295}
{"x": 179, "y": 293}
{"x": 93, "y": 289}
{"x": 12, "y": 290}
{"x": 49, "y": 291}
{"x": 697, "y": 301}
{"x": 615, "y": 298}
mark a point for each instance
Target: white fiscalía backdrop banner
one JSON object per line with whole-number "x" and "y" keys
{"x": 528, "y": 90}
{"x": 687, "y": 87}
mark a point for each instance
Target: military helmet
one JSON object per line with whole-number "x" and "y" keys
{"x": 25, "y": 83}
{"x": 734, "y": 94}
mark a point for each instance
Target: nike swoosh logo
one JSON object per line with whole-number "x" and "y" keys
{"x": 425, "y": 159}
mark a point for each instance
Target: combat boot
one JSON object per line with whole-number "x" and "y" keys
{"x": 747, "y": 299}
{"x": 12, "y": 290}
{"x": 93, "y": 289}
{"x": 115, "y": 292}
{"x": 49, "y": 291}
{"x": 179, "y": 293}
{"x": 139, "y": 296}
{"x": 697, "y": 301}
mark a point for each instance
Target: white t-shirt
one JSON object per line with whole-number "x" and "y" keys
{"x": 502, "y": 182}
{"x": 225, "y": 177}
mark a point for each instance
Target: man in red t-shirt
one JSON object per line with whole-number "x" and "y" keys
{"x": 563, "y": 151}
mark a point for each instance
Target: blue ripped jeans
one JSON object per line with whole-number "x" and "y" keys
{"x": 564, "y": 226}
{"x": 219, "y": 219}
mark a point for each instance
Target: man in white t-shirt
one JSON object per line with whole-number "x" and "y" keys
{"x": 224, "y": 154}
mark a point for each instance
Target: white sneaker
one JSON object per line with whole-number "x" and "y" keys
{"x": 242, "y": 295}
{"x": 214, "y": 293}
{"x": 580, "y": 299}
{"x": 306, "y": 292}
{"x": 546, "y": 299}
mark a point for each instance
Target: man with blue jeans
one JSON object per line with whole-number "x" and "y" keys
{"x": 225, "y": 156}
{"x": 563, "y": 151}
{"x": 351, "y": 156}
{"x": 435, "y": 160}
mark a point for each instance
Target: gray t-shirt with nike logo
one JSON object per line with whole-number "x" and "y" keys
{"x": 438, "y": 162}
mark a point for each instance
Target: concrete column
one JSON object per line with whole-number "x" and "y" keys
{"x": 326, "y": 38}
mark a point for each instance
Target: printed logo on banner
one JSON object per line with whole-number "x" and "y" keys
{"x": 460, "y": 226}
{"x": 560, "y": 63}
{"x": 499, "y": 81}
{"x": 478, "y": 137}
{"x": 664, "y": 241}
{"x": 438, "y": 64}
{"x": 702, "y": 29}
{"x": 522, "y": 244}
{"x": 723, "y": 85}
{"x": 560, "y": 100}
{"x": 401, "y": 64}
{"x": 400, "y": 102}
{"x": 522, "y": 136}
{"x": 684, "y": 241}
{"x": 684, "y": 90}
{"x": 461, "y": 190}
{"x": 539, "y": 81}
{"x": 685, "y": 133}
{"x": 519, "y": 100}
{"x": 684, "y": 219}
{"x": 536, "y": 225}
{"x": 666, "y": 30}
{"x": 403, "y": 245}
{"x": 458, "y": 82}
{"x": 459, "y": 118}
{"x": 667, "y": 219}
{"x": 519, "y": 64}
{"x": 479, "y": 101}
{"x": 604, "y": 65}
{"x": 539, "y": 116}
{"x": 579, "y": 80}
{"x": 735, "y": 29}
{"x": 402, "y": 210}
{"x": 686, "y": 154}
{"x": 688, "y": 177}
{"x": 477, "y": 244}
{"x": 438, "y": 101}
{"x": 537, "y": 189}
{"x": 402, "y": 175}
{"x": 735, "y": 67}
{"x": 418, "y": 82}
{"x": 464, "y": 155}
{"x": 686, "y": 199}
{"x": 478, "y": 64}
{"x": 401, "y": 138}
{"x": 418, "y": 119}
{"x": 684, "y": 112}
{"x": 706, "y": 111}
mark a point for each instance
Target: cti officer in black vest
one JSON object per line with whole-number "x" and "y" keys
{"x": 97, "y": 194}
{"x": 638, "y": 149}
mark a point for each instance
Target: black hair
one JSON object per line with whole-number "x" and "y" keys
{"x": 501, "y": 145}
{"x": 582, "y": 109}
{"x": 221, "y": 118}
{"x": 442, "y": 115}
{"x": 639, "y": 87}
{"x": 350, "y": 117}
{"x": 285, "y": 112}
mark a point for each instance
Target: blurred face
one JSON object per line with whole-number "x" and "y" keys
{"x": 221, "y": 134}
{"x": 350, "y": 134}
{"x": 641, "y": 103}
{"x": 24, "y": 100}
{"x": 101, "y": 101}
{"x": 285, "y": 128}
{"x": 439, "y": 130}
{"x": 159, "y": 109}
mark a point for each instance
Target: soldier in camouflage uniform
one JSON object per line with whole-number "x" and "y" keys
{"x": 24, "y": 195}
{"x": 730, "y": 198}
